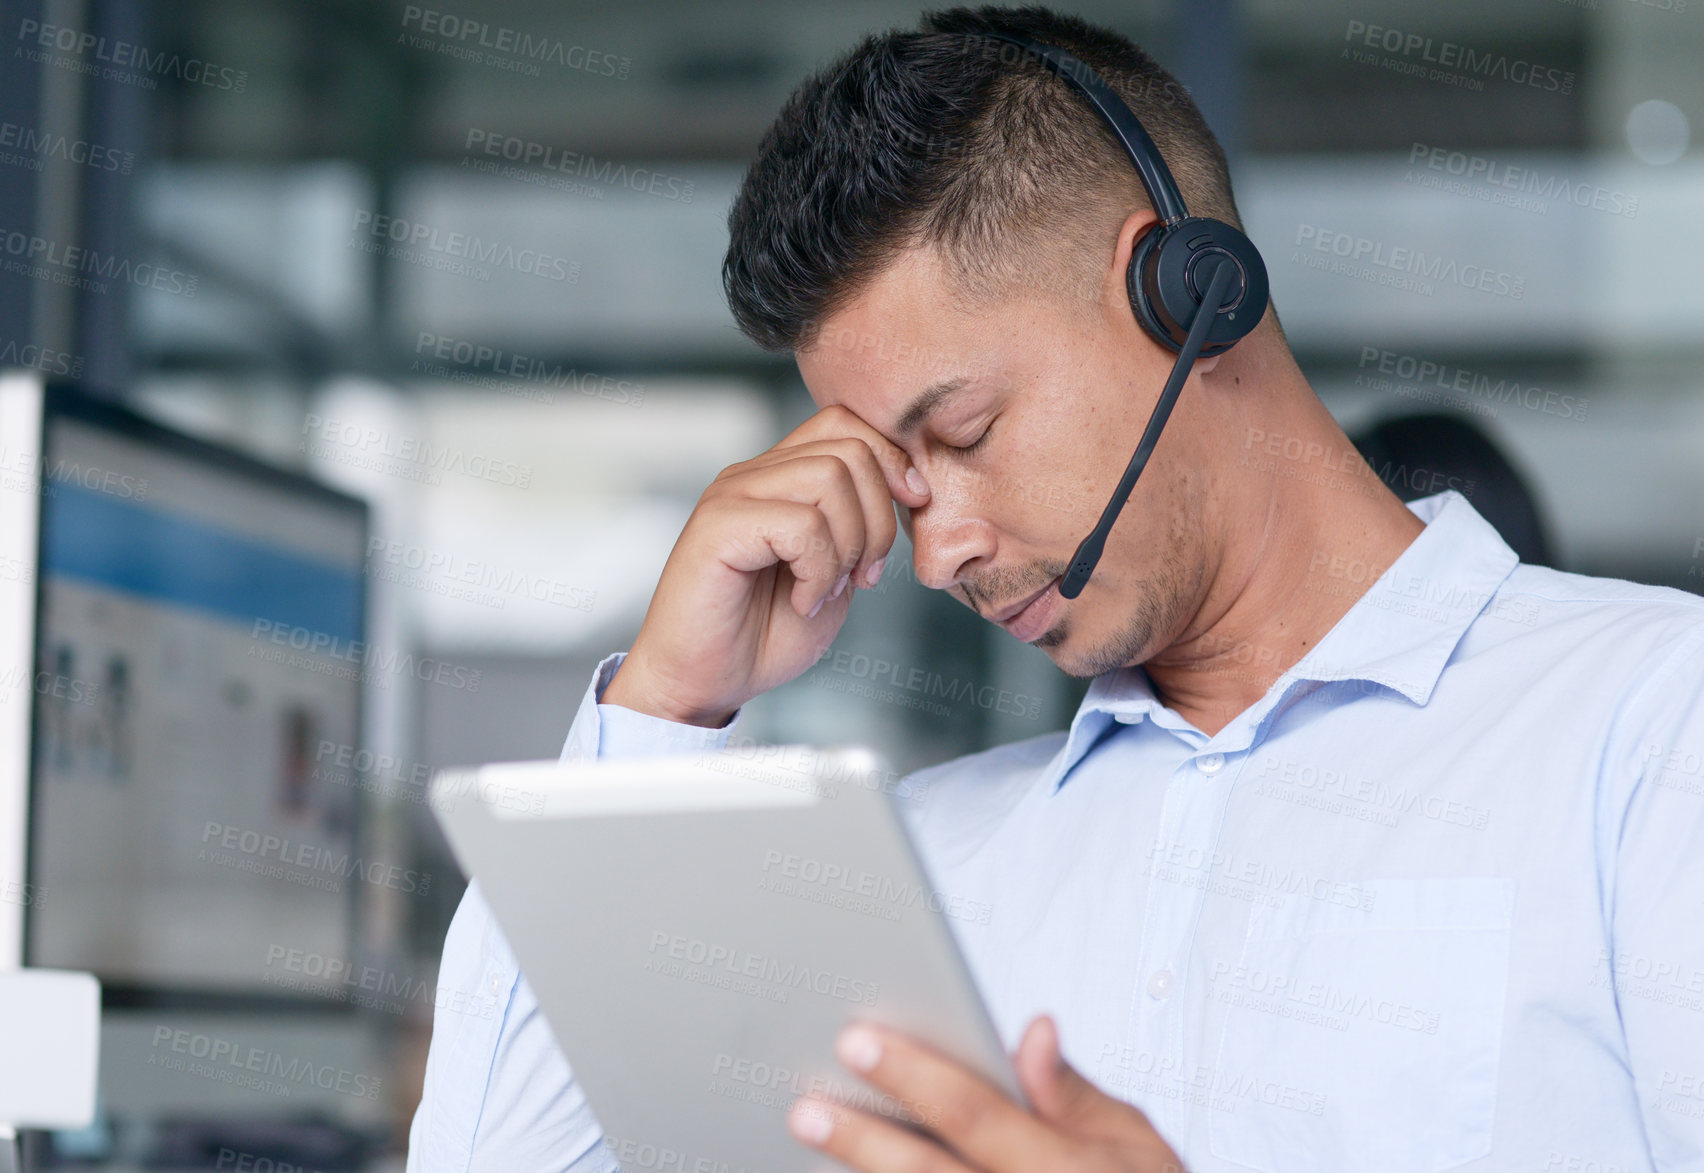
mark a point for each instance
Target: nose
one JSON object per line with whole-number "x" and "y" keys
{"x": 944, "y": 542}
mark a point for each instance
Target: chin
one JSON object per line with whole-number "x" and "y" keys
{"x": 1086, "y": 658}
{"x": 1071, "y": 661}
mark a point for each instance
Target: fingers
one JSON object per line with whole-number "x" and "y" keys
{"x": 851, "y": 498}
{"x": 874, "y": 498}
{"x": 1061, "y": 1096}
{"x": 751, "y": 534}
{"x": 969, "y": 1123}
{"x": 972, "y": 1117}
{"x": 835, "y": 422}
{"x": 1054, "y": 1087}
{"x": 867, "y": 1142}
{"x": 843, "y": 479}
{"x": 850, "y": 475}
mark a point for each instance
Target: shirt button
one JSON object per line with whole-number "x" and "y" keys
{"x": 496, "y": 983}
{"x": 1210, "y": 763}
{"x": 1160, "y": 984}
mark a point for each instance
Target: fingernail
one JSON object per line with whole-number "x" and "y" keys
{"x": 813, "y": 611}
{"x": 810, "y": 1122}
{"x": 874, "y": 573}
{"x": 915, "y": 482}
{"x": 859, "y": 1048}
{"x": 840, "y": 585}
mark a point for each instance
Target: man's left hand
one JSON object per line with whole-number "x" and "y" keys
{"x": 973, "y": 1127}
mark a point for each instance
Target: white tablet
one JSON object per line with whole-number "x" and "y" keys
{"x": 698, "y": 929}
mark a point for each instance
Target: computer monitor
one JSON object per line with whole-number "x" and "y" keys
{"x": 194, "y": 615}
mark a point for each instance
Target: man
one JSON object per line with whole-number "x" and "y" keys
{"x": 1369, "y": 848}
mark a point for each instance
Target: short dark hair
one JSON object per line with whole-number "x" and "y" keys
{"x": 945, "y": 138}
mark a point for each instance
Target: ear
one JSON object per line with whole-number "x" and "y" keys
{"x": 1116, "y": 294}
{"x": 1135, "y": 227}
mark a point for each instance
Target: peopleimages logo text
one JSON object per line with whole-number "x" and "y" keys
{"x": 222, "y": 1059}
{"x": 415, "y": 235}
{"x": 40, "y": 358}
{"x": 443, "y": 30}
{"x": 427, "y": 669}
{"x": 1525, "y": 181}
{"x": 1448, "y": 55}
{"x": 544, "y": 157}
{"x": 1404, "y": 261}
{"x": 310, "y": 857}
{"x": 132, "y": 56}
{"x": 36, "y": 145}
{"x": 1472, "y": 384}
{"x": 40, "y": 256}
{"x": 928, "y": 684}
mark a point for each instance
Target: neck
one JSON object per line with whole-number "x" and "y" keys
{"x": 1305, "y": 537}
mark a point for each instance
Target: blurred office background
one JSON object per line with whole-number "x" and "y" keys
{"x": 291, "y": 188}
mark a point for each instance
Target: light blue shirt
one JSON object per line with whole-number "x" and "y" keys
{"x": 1436, "y": 901}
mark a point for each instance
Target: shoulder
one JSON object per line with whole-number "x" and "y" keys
{"x": 1613, "y": 595}
{"x": 1610, "y": 621}
{"x": 958, "y": 803}
{"x": 1632, "y": 655}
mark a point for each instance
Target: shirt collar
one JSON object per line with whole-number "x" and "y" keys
{"x": 1399, "y": 634}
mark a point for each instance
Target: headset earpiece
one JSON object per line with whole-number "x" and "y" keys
{"x": 1168, "y": 274}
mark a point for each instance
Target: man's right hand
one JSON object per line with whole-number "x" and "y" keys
{"x": 747, "y": 600}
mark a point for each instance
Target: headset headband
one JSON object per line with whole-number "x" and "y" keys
{"x": 1156, "y": 177}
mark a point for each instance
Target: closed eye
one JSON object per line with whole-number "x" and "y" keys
{"x": 978, "y": 443}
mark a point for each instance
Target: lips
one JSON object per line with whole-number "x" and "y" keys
{"x": 1033, "y": 618}
{"x": 1007, "y": 612}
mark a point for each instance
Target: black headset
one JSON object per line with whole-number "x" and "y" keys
{"x": 1182, "y": 265}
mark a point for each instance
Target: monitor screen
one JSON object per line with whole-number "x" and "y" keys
{"x": 196, "y": 615}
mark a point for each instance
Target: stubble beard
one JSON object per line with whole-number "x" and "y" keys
{"x": 1165, "y": 599}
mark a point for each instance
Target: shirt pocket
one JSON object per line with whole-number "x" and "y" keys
{"x": 1381, "y": 1021}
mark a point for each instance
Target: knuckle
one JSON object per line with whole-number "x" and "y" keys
{"x": 796, "y": 516}
{"x": 855, "y": 447}
{"x": 822, "y": 523}
{"x": 846, "y": 461}
{"x": 751, "y": 464}
{"x": 792, "y": 529}
{"x": 867, "y": 457}
{"x": 831, "y": 467}
{"x": 823, "y": 542}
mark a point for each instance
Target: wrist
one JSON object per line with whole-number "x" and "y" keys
{"x": 631, "y": 689}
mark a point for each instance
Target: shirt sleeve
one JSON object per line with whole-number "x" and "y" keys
{"x": 499, "y": 1097}
{"x": 1656, "y": 910}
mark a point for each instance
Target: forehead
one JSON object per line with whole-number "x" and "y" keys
{"x": 907, "y": 330}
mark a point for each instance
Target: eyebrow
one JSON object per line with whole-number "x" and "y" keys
{"x": 928, "y": 401}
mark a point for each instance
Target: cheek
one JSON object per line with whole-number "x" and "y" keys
{"x": 1075, "y": 454}
{"x": 1048, "y": 488}
{"x": 1034, "y": 500}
